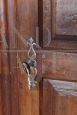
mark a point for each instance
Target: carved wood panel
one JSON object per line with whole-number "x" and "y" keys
{"x": 61, "y": 15}
{"x": 59, "y": 20}
{"x": 66, "y": 17}
{"x": 64, "y": 88}
{"x": 56, "y": 102}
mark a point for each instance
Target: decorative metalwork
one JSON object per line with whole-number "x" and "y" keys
{"x": 31, "y": 65}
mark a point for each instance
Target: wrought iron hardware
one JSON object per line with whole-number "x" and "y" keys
{"x": 31, "y": 65}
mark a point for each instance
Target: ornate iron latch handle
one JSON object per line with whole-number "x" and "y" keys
{"x": 31, "y": 65}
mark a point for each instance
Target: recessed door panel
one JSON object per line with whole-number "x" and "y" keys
{"x": 66, "y": 17}
{"x": 59, "y": 22}
{"x": 60, "y": 97}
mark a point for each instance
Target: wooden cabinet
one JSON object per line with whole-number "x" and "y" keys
{"x": 53, "y": 25}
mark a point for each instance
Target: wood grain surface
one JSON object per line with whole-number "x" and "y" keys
{"x": 56, "y": 104}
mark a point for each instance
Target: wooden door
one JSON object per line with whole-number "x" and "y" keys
{"x": 18, "y": 19}
{"x": 53, "y": 24}
{"x": 59, "y": 62}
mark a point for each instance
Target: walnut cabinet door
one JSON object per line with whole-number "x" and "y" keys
{"x": 53, "y": 26}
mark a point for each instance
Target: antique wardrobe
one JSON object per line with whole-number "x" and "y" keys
{"x": 38, "y": 77}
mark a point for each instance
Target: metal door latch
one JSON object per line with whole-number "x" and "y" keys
{"x": 31, "y": 65}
